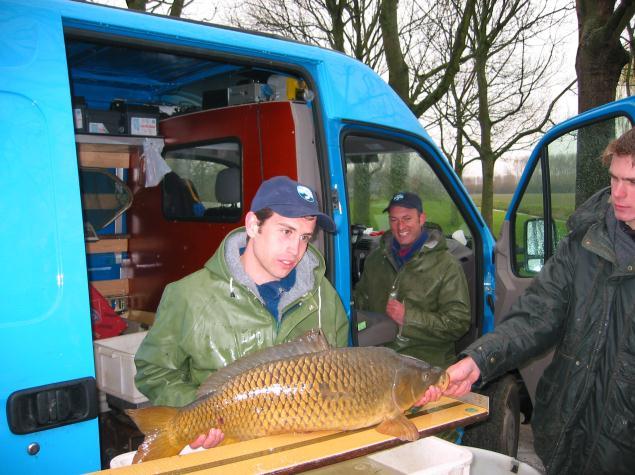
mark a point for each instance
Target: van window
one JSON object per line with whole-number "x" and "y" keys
{"x": 204, "y": 184}
{"x": 378, "y": 168}
{"x": 531, "y": 236}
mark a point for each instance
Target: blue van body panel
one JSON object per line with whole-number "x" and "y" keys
{"x": 624, "y": 106}
{"x": 45, "y": 331}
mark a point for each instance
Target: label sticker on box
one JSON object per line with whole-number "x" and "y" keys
{"x": 79, "y": 122}
{"x": 97, "y": 128}
{"x": 143, "y": 126}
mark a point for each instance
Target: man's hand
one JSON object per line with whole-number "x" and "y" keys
{"x": 396, "y": 310}
{"x": 433, "y": 393}
{"x": 209, "y": 440}
{"x": 462, "y": 375}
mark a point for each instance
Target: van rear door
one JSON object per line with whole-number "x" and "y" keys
{"x": 546, "y": 194}
{"x": 47, "y": 384}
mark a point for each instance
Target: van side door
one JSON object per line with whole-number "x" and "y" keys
{"x": 545, "y": 198}
{"x": 47, "y": 388}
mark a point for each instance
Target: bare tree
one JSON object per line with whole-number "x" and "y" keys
{"x": 503, "y": 95}
{"x": 392, "y": 37}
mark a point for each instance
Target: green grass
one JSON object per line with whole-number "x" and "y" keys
{"x": 441, "y": 212}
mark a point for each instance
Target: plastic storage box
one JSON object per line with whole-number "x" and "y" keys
{"x": 429, "y": 456}
{"x": 114, "y": 365}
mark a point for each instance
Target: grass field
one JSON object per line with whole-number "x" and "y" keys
{"x": 442, "y": 212}
{"x": 562, "y": 205}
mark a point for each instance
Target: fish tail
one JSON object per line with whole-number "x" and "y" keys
{"x": 157, "y": 424}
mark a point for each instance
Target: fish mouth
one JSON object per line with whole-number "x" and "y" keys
{"x": 443, "y": 382}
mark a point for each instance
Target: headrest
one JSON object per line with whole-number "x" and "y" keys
{"x": 228, "y": 186}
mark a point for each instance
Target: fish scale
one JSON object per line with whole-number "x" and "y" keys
{"x": 333, "y": 389}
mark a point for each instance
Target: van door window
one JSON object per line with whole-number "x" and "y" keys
{"x": 204, "y": 184}
{"x": 534, "y": 240}
{"x": 375, "y": 170}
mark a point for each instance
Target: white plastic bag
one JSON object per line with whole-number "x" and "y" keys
{"x": 155, "y": 166}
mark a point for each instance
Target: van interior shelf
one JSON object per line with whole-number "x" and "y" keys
{"x": 113, "y": 139}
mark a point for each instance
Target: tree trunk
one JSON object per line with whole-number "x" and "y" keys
{"x": 599, "y": 62}
{"x": 600, "y": 57}
{"x": 139, "y": 5}
{"x": 177, "y": 8}
{"x": 335, "y": 9}
{"x": 398, "y": 73}
{"x": 361, "y": 196}
{"x": 487, "y": 194}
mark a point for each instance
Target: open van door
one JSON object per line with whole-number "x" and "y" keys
{"x": 47, "y": 392}
{"x": 545, "y": 198}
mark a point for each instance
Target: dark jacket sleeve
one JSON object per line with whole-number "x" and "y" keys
{"x": 534, "y": 323}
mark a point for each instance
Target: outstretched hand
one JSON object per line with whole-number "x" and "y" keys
{"x": 209, "y": 440}
{"x": 462, "y": 375}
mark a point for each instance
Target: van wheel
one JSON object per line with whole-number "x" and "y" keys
{"x": 499, "y": 432}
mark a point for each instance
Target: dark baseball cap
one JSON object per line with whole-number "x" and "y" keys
{"x": 405, "y": 199}
{"x": 290, "y": 199}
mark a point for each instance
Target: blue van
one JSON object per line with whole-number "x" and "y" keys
{"x": 97, "y": 101}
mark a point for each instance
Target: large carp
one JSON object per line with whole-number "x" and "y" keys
{"x": 301, "y": 386}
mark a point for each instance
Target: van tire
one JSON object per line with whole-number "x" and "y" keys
{"x": 500, "y": 432}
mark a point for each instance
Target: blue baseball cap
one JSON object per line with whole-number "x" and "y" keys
{"x": 405, "y": 199}
{"x": 290, "y": 199}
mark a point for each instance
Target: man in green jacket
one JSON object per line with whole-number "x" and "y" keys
{"x": 583, "y": 303}
{"x": 413, "y": 278}
{"x": 263, "y": 286}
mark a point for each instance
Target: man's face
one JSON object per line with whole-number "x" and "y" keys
{"x": 276, "y": 246}
{"x": 622, "y": 172}
{"x": 406, "y": 224}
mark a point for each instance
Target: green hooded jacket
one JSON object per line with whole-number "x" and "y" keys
{"x": 434, "y": 289}
{"x": 583, "y": 303}
{"x": 214, "y": 316}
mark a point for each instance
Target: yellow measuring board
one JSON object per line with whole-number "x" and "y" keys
{"x": 292, "y": 453}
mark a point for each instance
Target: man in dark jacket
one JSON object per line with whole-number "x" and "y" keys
{"x": 583, "y": 303}
{"x": 415, "y": 280}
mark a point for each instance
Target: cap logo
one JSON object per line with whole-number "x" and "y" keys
{"x": 305, "y": 193}
{"x": 398, "y": 197}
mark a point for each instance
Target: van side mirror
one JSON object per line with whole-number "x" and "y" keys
{"x": 534, "y": 241}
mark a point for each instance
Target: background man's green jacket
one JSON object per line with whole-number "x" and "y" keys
{"x": 582, "y": 302}
{"x": 214, "y": 316}
{"x": 434, "y": 289}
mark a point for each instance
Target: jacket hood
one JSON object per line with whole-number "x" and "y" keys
{"x": 226, "y": 263}
{"x": 591, "y": 211}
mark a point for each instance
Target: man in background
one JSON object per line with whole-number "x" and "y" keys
{"x": 413, "y": 278}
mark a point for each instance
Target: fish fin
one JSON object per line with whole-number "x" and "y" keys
{"x": 156, "y": 424}
{"x": 399, "y": 427}
{"x": 313, "y": 341}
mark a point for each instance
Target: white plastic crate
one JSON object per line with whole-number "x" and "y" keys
{"x": 114, "y": 365}
{"x": 428, "y": 456}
